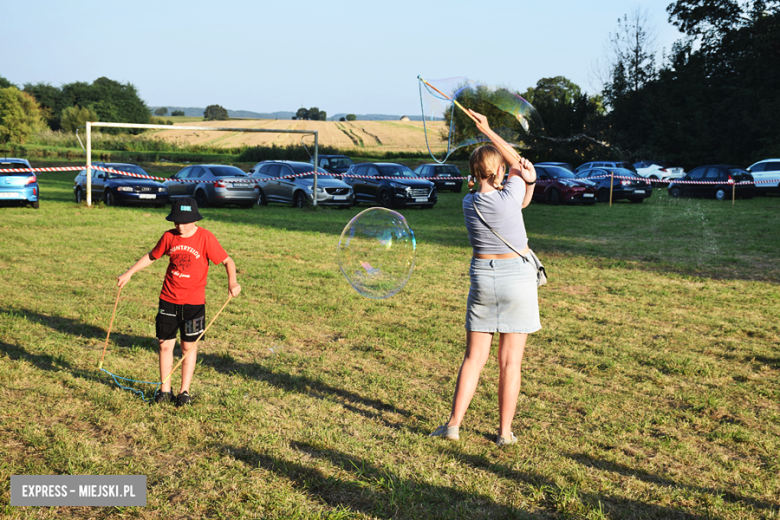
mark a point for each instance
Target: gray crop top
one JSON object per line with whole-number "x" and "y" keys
{"x": 503, "y": 210}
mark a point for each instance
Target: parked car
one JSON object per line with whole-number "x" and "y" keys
{"x": 335, "y": 164}
{"x": 635, "y": 188}
{"x": 559, "y": 164}
{"x": 214, "y": 184}
{"x": 605, "y": 164}
{"x": 18, "y": 187}
{"x": 276, "y": 186}
{"x": 443, "y": 176}
{"x": 658, "y": 170}
{"x": 555, "y": 184}
{"x": 717, "y": 180}
{"x": 402, "y": 188}
{"x": 766, "y": 170}
{"x": 117, "y": 189}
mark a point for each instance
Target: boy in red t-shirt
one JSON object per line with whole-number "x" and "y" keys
{"x": 183, "y": 296}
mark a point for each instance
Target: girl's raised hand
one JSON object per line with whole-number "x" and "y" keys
{"x": 482, "y": 121}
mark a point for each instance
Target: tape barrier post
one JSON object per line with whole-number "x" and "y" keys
{"x": 89, "y": 163}
{"x": 733, "y": 192}
{"x": 611, "y": 181}
{"x": 314, "y": 187}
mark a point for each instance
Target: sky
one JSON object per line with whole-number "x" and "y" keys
{"x": 340, "y": 56}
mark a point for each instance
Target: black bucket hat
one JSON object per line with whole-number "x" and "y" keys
{"x": 183, "y": 211}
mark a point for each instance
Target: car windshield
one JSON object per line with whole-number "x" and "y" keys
{"x": 129, "y": 168}
{"x": 396, "y": 170}
{"x": 447, "y": 171}
{"x": 307, "y": 168}
{"x": 14, "y": 166}
{"x": 559, "y": 173}
{"x": 226, "y": 171}
{"x": 340, "y": 162}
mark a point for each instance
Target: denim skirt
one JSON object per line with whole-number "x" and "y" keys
{"x": 503, "y": 297}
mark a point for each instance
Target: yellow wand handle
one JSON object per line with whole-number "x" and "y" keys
{"x": 111, "y": 324}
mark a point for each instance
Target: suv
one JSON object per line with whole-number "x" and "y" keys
{"x": 20, "y": 187}
{"x": 114, "y": 188}
{"x": 605, "y": 164}
{"x": 444, "y": 176}
{"x": 390, "y": 185}
{"x": 278, "y": 183}
{"x": 766, "y": 170}
{"x": 336, "y": 164}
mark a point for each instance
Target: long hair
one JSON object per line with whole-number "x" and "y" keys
{"x": 484, "y": 164}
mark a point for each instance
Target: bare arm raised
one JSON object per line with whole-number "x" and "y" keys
{"x": 517, "y": 165}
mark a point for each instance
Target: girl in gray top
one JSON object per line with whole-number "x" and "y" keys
{"x": 502, "y": 297}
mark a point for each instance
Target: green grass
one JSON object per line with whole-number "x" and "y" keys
{"x": 652, "y": 391}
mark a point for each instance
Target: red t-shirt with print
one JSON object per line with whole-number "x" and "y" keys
{"x": 185, "y": 280}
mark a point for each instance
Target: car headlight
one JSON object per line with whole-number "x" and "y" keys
{"x": 399, "y": 186}
{"x": 568, "y": 183}
{"x": 162, "y": 189}
{"x": 124, "y": 188}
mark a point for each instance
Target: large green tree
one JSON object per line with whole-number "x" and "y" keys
{"x": 215, "y": 113}
{"x": 20, "y": 115}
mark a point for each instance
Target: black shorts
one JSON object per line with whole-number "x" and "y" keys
{"x": 190, "y": 320}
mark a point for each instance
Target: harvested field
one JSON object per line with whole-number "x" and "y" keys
{"x": 382, "y": 136}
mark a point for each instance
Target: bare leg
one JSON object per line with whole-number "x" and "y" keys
{"x": 510, "y": 360}
{"x": 166, "y": 361}
{"x": 188, "y": 365}
{"x": 477, "y": 354}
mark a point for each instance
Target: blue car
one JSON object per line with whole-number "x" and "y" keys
{"x": 18, "y": 187}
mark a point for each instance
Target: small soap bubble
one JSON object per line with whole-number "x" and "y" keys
{"x": 376, "y": 252}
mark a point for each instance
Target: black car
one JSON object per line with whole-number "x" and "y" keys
{"x": 390, "y": 185}
{"x": 444, "y": 176}
{"x": 625, "y": 184}
{"x": 714, "y": 180}
{"x": 566, "y": 165}
{"x": 117, "y": 189}
{"x": 336, "y": 164}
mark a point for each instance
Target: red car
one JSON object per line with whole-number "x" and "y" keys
{"x": 558, "y": 185}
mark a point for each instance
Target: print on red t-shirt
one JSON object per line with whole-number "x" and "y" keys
{"x": 188, "y": 269}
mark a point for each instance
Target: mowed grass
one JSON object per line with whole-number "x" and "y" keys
{"x": 652, "y": 391}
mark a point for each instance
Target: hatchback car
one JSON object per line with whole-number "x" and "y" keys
{"x": 277, "y": 184}
{"x": 18, "y": 187}
{"x": 214, "y": 184}
{"x": 715, "y": 180}
{"x": 556, "y": 185}
{"x": 634, "y": 188}
{"x": 766, "y": 175}
{"x": 336, "y": 164}
{"x": 117, "y": 189}
{"x": 390, "y": 185}
{"x": 443, "y": 176}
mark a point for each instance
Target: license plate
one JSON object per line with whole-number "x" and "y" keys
{"x": 147, "y": 196}
{"x": 339, "y": 197}
{"x": 639, "y": 192}
{"x": 449, "y": 184}
{"x": 424, "y": 199}
{"x": 9, "y": 195}
{"x": 587, "y": 195}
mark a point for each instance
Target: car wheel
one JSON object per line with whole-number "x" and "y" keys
{"x": 555, "y": 197}
{"x": 79, "y": 196}
{"x": 385, "y": 200}
{"x": 637, "y": 201}
{"x": 653, "y": 177}
{"x": 675, "y": 193}
{"x": 36, "y": 204}
{"x": 299, "y": 200}
{"x": 109, "y": 198}
{"x": 261, "y": 200}
{"x": 604, "y": 195}
{"x": 720, "y": 194}
{"x": 201, "y": 199}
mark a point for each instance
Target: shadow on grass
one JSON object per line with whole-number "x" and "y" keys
{"x": 373, "y": 490}
{"x": 369, "y": 407}
{"x": 565, "y": 500}
{"x": 640, "y": 474}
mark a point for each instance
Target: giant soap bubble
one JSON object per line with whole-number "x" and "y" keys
{"x": 376, "y": 252}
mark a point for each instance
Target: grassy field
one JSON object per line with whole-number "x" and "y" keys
{"x": 652, "y": 391}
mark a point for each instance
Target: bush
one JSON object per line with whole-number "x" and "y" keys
{"x": 351, "y": 117}
{"x": 177, "y": 113}
{"x": 20, "y": 115}
{"x": 162, "y": 111}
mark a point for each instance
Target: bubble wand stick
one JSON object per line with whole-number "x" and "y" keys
{"x": 509, "y": 149}
{"x": 111, "y": 324}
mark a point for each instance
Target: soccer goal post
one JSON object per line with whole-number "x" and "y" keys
{"x": 201, "y": 128}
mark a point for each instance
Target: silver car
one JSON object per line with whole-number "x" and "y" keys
{"x": 213, "y": 184}
{"x": 278, "y": 183}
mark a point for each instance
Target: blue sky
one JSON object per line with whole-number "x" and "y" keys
{"x": 345, "y": 56}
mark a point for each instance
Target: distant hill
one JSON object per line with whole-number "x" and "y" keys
{"x": 198, "y": 112}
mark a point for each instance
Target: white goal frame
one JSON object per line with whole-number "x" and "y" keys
{"x": 90, "y": 124}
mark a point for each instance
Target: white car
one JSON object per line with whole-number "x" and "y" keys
{"x": 656, "y": 170}
{"x": 766, "y": 170}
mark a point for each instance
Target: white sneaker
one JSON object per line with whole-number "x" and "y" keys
{"x": 448, "y": 432}
{"x": 506, "y": 441}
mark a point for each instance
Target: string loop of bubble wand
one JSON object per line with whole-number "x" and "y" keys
{"x": 508, "y": 148}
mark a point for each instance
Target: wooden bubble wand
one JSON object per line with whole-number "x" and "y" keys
{"x": 111, "y": 324}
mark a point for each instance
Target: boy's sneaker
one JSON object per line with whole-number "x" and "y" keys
{"x": 183, "y": 399}
{"x": 506, "y": 441}
{"x": 163, "y": 397}
{"x": 448, "y": 432}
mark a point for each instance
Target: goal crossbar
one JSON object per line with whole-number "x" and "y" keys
{"x": 203, "y": 128}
